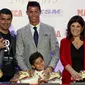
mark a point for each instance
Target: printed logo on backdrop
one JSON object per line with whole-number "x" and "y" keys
{"x": 45, "y": 1}
{"x": 44, "y": 12}
{"x": 17, "y": 13}
{"x": 16, "y": 1}
{"x": 81, "y": 12}
{"x": 52, "y": 12}
{"x": 40, "y": 1}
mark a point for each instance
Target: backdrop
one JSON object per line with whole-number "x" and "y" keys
{"x": 54, "y": 12}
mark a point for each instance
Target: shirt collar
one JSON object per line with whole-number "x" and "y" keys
{"x": 38, "y": 25}
{"x": 32, "y": 30}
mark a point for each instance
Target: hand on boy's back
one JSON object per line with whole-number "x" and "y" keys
{"x": 48, "y": 70}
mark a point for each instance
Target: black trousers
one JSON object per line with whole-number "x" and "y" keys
{"x": 5, "y": 78}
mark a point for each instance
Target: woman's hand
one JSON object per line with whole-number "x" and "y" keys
{"x": 75, "y": 75}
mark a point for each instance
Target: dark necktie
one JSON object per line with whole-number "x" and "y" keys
{"x": 35, "y": 36}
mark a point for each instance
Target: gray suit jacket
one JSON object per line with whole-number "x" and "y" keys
{"x": 47, "y": 43}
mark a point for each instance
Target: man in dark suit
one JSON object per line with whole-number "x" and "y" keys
{"x": 44, "y": 43}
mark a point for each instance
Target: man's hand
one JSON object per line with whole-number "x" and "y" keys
{"x": 48, "y": 70}
{"x": 2, "y": 44}
{"x": 1, "y": 73}
{"x": 31, "y": 72}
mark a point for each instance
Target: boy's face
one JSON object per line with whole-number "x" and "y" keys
{"x": 39, "y": 64}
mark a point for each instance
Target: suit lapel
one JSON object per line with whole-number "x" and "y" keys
{"x": 41, "y": 31}
{"x": 29, "y": 34}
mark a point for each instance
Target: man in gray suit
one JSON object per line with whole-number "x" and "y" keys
{"x": 47, "y": 41}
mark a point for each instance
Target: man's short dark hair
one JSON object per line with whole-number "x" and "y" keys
{"x": 6, "y": 11}
{"x": 34, "y": 56}
{"x": 33, "y": 4}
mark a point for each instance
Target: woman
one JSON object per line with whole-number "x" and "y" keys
{"x": 72, "y": 50}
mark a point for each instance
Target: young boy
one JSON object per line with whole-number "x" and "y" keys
{"x": 37, "y": 61}
{"x": 38, "y": 65}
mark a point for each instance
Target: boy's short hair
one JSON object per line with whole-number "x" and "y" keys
{"x": 34, "y": 56}
{"x": 34, "y": 4}
{"x": 6, "y": 11}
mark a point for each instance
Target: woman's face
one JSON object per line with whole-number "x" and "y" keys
{"x": 76, "y": 29}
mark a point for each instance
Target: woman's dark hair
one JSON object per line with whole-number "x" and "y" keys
{"x": 34, "y": 56}
{"x": 6, "y": 11}
{"x": 33, "y": 4}
{"x": 80, "y": 20}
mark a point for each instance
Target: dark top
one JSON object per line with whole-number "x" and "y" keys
{"x": 8, "y": 51}
{"x": 77, "y": 58}
{"x": 9, "y": 62}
